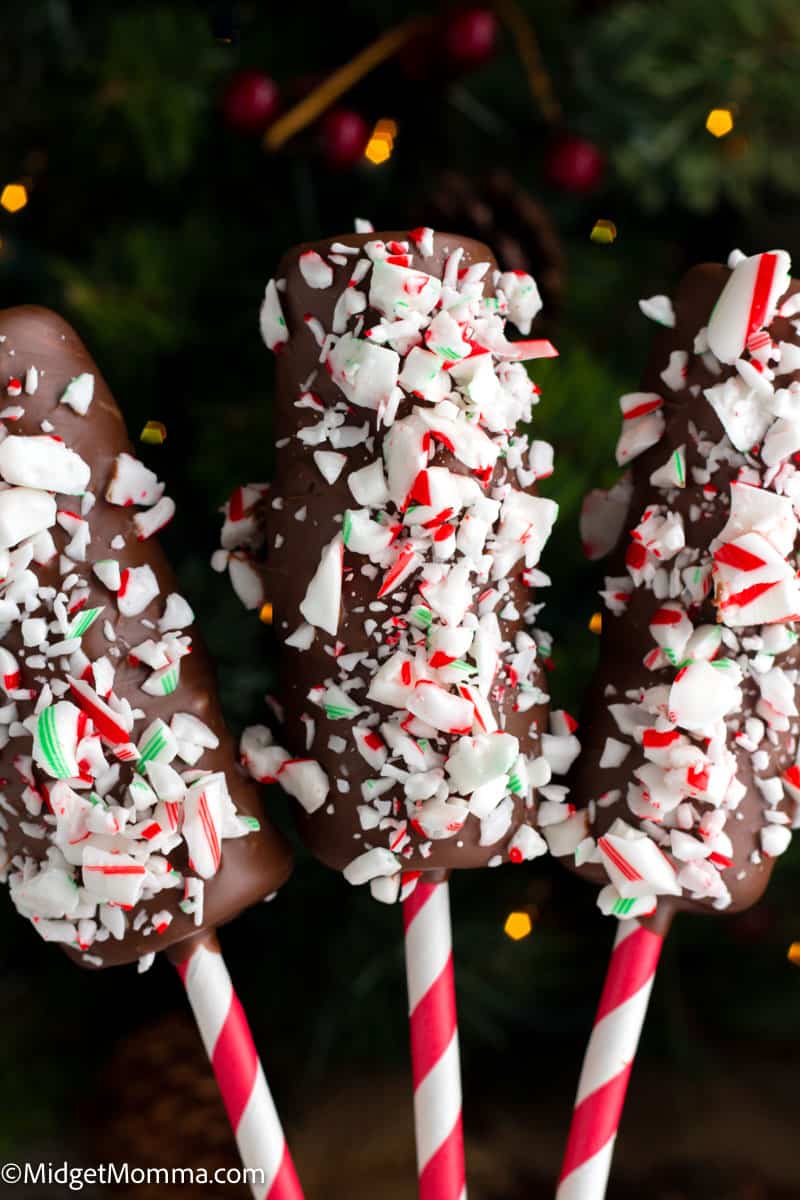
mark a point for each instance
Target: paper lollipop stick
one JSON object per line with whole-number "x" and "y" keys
{"x": 232, "y": 1053}
{"x": 433, "y": 1025}
{"x": 608, "y": 1062}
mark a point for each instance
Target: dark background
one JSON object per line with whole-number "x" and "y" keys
{"x": 154, "y": 218}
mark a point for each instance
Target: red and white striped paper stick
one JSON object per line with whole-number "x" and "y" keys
{"x": 608, "y": 1062}
{"x": 229, "y": 1044}
{"x": 434, "y": 1043}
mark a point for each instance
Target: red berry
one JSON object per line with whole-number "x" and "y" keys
{"x": 469, "y": 37}
{"x": 251, "y": 101}
{"x": 343, "y": 137}
{"x": 575, "y": 164}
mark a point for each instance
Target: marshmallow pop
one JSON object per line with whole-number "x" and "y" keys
{"x": 687, "y": 783}
{"x": 403, "y": 535}
{"x": 126, "y": 825}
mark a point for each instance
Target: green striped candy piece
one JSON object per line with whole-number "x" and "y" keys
{"x": 514, "y": 783}
{"x": 51, "y": 744}
{"x": 83, "y": 621}
{"x": 423, "y": 615}
{"x": 679, "y": 467}
{"x": 335, "y": 713}
{"x": 623, "y": 907}
{"x": 151, "y": 749}
{"x": 446, "y": 352}
{"x": 169, "y": 680}
{"x": 347, "y": 527}
{"x": 252, "y": 823}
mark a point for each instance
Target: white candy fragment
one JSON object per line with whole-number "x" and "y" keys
{"x": 246, "y": 582}
{"x": 775, "y": 840}
{"x": 271, "y": 319}
{"x": 50, "y": 893}
{"x": 371, "y": 865}
{"x": 704, "y": 693}
{"x": 642, "y": 425}
{"x": 636, "y": 866}
{"x": 523, "y": 298}
{"x": 306, "y": 781}
{"x": 742, "y": 411}
{"x": 178, "y": 613}
{"x": 112, "y": 878}
{"x": 330, "y": 464}
{"x": 322, "y": 602}
{"x": 365, "y": 373}
{"x": 476, "y": 761}
{"x": 369, "y": 485}
{"x": 440, "y": 708}
{"x": 259, "y": 753}
{"x": 396, "y": 291}
{"x": 55, "y": 740}
{"x": 24, "y": 512}
{"x": 154, "y": 519}
{"x": 204, "y": 808}
{"x": 526, "y": 844}
{"x": 315, "y": 271}
{"x": 138, "y": 588}
{"x": 78, "y": 393}
{"x": 748, "y": 302}
{"x": 603, "y": 516}
{"x": 45, "y": 463}
{"x": 132, "y": 482}
{"x": 660, "y": 310}
{"x": 108, "y": 572}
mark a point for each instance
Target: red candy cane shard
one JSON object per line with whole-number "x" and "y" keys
{"x": 608, "y": 1062}
{"x": 434, "y": 1043}
{"x": 248, "y": 1102}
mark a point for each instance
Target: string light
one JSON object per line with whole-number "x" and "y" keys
{"x": 719, "y": 122}
{"x": 604, "y": 232}
{"x": 381, "y": 143}
{"x": 793, "y": 953}
{"x": 265, "y": 614}
{"x": 154, "y": 433}
{"x": 596, "y": 623}
{"x": 518, "y": 925}
{"x": 14, "y": 197}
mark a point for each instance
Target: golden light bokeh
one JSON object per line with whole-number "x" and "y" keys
{"x": 14, "y": 197}
{"x": 719, "y": 122}
{"x": 518, "y": 925}
{"x": 381, "y": 143}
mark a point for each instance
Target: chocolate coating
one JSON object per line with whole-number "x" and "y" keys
{"x": 626, "y": 638}
{"x": 334, "y": 833}
{"x": 253, "y": 866}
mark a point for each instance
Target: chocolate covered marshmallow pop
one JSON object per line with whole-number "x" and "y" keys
{"x": 403, "y": 536}
{"x": 687, "y": 781}
{"x": 126, "y": 824}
